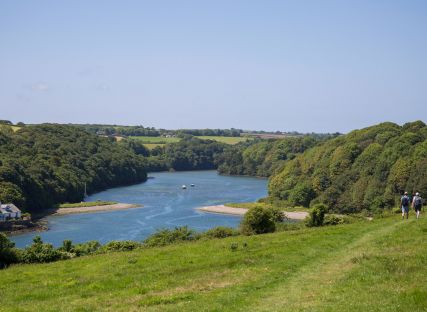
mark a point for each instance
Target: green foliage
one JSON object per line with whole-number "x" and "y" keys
{"x": 333, "y": 219}
{"x": 257, "y": 220}
{"x": 44, "y": 165}
{"x": 263, "y": 157}
{"x": 40, "y": 252}
{"x": 366, "y": 169}
{"x": 165, "y": 237}
{"x": 11, "y": 193}
{"x": 8, "y": 254}
{"x": 317, "y": 215}
{"x": 86, "y": 204}
{"x": 220, "y": 232}
{"x": 301, "y": 195}
{"x": 120, "y": 246}
{"x": 188, "y": 154}
{"x": 87, "y": 248}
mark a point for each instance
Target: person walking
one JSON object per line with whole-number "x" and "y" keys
{"x": 404, "y": 204}
{"x": 417, "y": 204}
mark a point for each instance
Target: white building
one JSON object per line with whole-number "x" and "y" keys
{"x": 9, "y": 211}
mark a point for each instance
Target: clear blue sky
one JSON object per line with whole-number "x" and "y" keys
{"x": 300, "y": 65}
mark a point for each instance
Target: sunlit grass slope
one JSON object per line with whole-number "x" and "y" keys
{"x": 149, "y": 141}
{"x": 366, "y": 266}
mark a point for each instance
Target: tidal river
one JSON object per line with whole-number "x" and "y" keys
{"x": 166, "y": 205}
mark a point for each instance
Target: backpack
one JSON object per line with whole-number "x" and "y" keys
{"x": 405, "y": 201}
{"x": 418, "y": 202}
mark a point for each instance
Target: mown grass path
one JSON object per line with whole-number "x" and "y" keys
{"x": 367, "y": 266}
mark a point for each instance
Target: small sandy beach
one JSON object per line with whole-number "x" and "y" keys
{"x": 119, "y": 206}
{"x": 222, "y": 209}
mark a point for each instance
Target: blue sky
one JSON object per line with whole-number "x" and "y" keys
{"x": 302, "y": 65}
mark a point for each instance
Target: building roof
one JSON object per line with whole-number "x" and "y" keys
{"x": 7, "y": 208}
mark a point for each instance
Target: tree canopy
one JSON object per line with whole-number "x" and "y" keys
{"x": 365, "y": 169}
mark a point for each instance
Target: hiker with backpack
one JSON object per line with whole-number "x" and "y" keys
{"x": 404, "y": 204}
{"x": 417, "y": 204}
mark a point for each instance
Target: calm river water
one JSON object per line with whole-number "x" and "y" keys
{"x": 165, "y": 205}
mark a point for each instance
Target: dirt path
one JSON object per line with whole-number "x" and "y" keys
{"x": 222, "y": 209}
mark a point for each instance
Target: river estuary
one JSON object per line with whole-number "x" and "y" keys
{"x": 166, "y": 205}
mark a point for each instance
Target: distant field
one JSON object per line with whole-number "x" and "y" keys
{"x": 14, "y": 128}
{"x": 152, "y": 142}
{"x": 151, "y": 146}
{"x": 227, "y": 140}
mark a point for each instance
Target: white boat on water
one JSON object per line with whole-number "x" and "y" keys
{"x": 184, "y": 186}
{"x": 192, "y": 185}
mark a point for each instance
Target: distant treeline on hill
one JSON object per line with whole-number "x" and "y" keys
{"x": 153, "y": 132}
{"x": 365, "y": 169}
{"x": 41, "y": 166}
{"x": 262, "y": 158}
{"x": 44, "y": 165}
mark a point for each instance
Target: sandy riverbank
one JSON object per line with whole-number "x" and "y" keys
{"x": 222, "y": 209}
{"x": 119, "y": 206}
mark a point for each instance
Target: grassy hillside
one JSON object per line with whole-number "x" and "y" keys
{"x": 365, "y": 169}
{"x": 366, "y": 266}
{"x": 149, "y": 141}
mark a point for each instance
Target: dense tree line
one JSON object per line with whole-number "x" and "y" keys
{"x": 262, "y": 157}
{"x": 211, "y": 132}
{"x": 365, "y": 169}
{"x": 121, "y": 130}
{"x": 190, "y": 153}
{"x": 43, "y": 165}
{"x": 153, "y": 132}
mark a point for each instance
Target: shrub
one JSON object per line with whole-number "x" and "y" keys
{"x": 257, "y": 220}
{"x": 220, "y": 232}
{"x": 39, "y": 252}
{"x": 8, "y": 254}
{"x": 166, "y": 236}
{"x": 317, "y": 215}
{"x": 278, "y": 215}
{"x": 335, "y": 220}
{"x": 87, "y": 248}
{"x": 121, "y": 246}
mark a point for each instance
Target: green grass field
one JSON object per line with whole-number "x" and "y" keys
{"x": 227, "y": 140}
{"x": 14, "y": 128}
{"x": 365, "y": 266}
{"x": 86, "y": 204}
{"x": 152, "y": 142}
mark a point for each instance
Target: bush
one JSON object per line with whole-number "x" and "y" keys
{"x": 166, "y": 236}
{"x": 278, "y": 215}
{"x": 8, "y": 254}
{"x": 39, "y": 252}
{"x": 121, "y": 246}
{"x": 335, "y": 220}
{"x": 220, "y": 232}
{"x": 317, "y": 215}
{"x": 87, "y": 248}
{"x": 257, "y": 220}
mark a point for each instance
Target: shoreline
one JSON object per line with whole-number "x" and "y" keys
{"x": 39, "y": 224}
{"x": 91, "y": 209}
{"x": 223, "y": 209}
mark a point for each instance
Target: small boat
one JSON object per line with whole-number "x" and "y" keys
{"x": 184, "y": 186}
{"x": 192, "y": 185}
